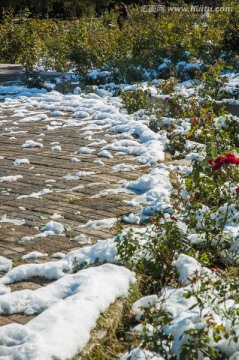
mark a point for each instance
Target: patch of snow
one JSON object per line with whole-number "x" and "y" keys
{"x": 188, "y": 267}
{"x": 10, "y": 178}
{"x": 122, "y": 167}
{"x": 37, "y": 195}
{"x": 54, "y": 227}
{"x": 143, "y": 303}
{"x": 141, "y": 354}
{"x": 74, "y": 160}
{"x": 57, "y": 113}
{"x": 80, "y": 114}
{"x": 21, "y": 161}
{"x": 99, "y": 224}
{"x": 58, "y": 255}
{"x": 56, "y": 148}
{"x": 85, "y": 173}
{"x": 31, "y": 143}
{"x": 82, "y": 239}
{"x": 99, "y": 162}
{"x": 17, "y": 222}
{"x": 154, "y": 188}
{"x": 84, "y": 150}
{"x": 5, "y": 264}
{"x": 105, "y": 153}
{"x": 69, "y": 310}
{"x": 79, "y": 175}
{"x": 50, "y": 181}
{"x": 56, "y": 216}
{"x": 131, "y": 218}
{"x": 34, "y": 255}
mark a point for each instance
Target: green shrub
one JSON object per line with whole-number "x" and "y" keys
{"x": 152, "y": 257}
{"x": 136, "y": 100}
{"x": 33, "y": 80}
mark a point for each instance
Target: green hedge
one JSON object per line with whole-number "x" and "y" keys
{"x": 143, "y": 42}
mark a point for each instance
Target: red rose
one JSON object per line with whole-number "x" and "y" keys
{"x": 223, "y": 160}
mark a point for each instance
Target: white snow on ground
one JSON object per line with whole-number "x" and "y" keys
{"x": 56, "y": 148}
{"x": 74, "y": 160}
{"x": 18, "y": 222}
{"x": 186, "y": 311}
{"x": 34, "y": 255}
{"x": 102, "y": 251}
{"x": 79, "y": 299}
{"x": 33, "y": 118}
{"x": 84, "y": 150}
{"x": 69, "y": 307}
{"x": 141, "y": 354}
{"x": 187, "y": 267}
{"x": 49, "y": 181}
{"x": 113, "y": 192}
{"x": 102, "y": 113}
{"x": 99, "y": 224}
{"x": 5, "y": 264}
{"x": 58, "y": 255}
{"x": 143, "y": 303}
{"x": 31, "y": 143}
{"x": 54, "y": 227}
{"x": 43, "y": 234}
{"x": 21, "y": 161}
{"x": 85, "y": 173}
{"x": 49, "y": 270}
{"x": 50, "y": 229}
{"x": 153, "y": 189}
{"x": 82, "y": 239}
{"x": 105, "y": 153}
{"x": 80, "y": 114}
{"x": 122, "y": 167}
{"x": 13, "y": 90}
{"x": 153, "y": 144}
{"x": 78, "y": 175}
{"x": 131, "y": 218}
{"x": 98, "y": 142}
{"x": 36, "y": 195}
{"x": 10, "y": 178}
{"x": 99, "y": 162}
{"x": 56, "y": 216}
{"x": 57, "y": 113}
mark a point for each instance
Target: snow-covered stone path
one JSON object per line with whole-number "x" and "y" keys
{"x": 66, "y": 165}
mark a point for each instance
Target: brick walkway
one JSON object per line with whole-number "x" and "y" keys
{"x": 72, "y": 199}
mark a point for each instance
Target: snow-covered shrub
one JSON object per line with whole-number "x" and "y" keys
{"x": 194, "y": 322}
